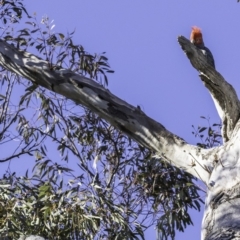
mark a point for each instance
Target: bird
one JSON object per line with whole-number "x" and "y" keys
{"x": 197, "y": 39}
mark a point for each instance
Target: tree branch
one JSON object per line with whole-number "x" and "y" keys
{"x": 127, "y": 118}
{"x": 223, "y": 94}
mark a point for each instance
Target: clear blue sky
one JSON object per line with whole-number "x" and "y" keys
{"x": 140, "y": 38}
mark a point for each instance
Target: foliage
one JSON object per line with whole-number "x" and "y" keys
{"x": 171, "y": 190}
{"x": 210, "y": 139}
{"x": 12, "y": 11}
{"x": 58, "y": 49}
{"x": 116, "y": 190}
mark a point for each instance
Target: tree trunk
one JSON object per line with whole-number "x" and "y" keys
{"x": 216, "y": 167}
{"x": 222, "y": 205}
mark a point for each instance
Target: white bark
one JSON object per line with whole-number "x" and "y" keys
{"x": 217, "y": 167}
{"x": 222, "y": 206}
{"x": 31, "y": 237}
{"x": 119, "y": 113}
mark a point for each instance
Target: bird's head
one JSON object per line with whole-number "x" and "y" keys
{"x": 196, "y": 36}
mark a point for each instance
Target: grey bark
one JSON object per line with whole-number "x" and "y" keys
{"x": 127, "y": 118}
{"x": 223, "y": 94}
{"x": 217, "y": 167}
{"x": 222, "y": 205}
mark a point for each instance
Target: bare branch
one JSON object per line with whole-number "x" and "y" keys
{"x": 129, "y": 119}
{"x": 223, "y": 94}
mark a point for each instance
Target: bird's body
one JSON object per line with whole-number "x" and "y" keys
{"x": 197, "y": 39}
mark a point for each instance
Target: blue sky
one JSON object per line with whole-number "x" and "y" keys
{"x": 151, "y": 70}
